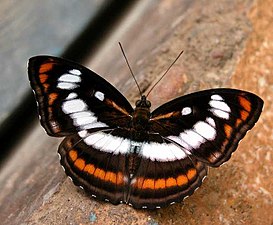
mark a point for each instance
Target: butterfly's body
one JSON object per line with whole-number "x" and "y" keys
{"x": 134, "y": 156}
{"x": 141, "y": 115}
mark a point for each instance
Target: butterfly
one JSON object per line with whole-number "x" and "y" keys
{"x": 122, "y": 154}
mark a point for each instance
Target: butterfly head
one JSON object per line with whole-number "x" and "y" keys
{"x": 143, "y": 102}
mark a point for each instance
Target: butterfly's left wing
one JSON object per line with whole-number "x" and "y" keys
{"x": 208, "y": 124}
{"x": 72, "y": 98}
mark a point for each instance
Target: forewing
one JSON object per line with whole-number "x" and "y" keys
{"x": 208, "y": 124}
{"x": 73, "y": 98}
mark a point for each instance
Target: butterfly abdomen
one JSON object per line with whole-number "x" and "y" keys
{"x": 132, "y": 164}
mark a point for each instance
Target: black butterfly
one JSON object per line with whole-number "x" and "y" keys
{"x": 134, "y": 156}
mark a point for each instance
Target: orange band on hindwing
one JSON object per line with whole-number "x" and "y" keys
{"x": 161, "y": 183}
{"x": 107, "y": 176}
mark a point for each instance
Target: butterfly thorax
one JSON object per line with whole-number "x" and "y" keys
{"x": 139, "y": 134}
{"x": 141, "y": 115}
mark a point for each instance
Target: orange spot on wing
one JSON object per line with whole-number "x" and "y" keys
{"x": 111, "y": 177}
{"x": 228, "y": 130}
{"x": 160, "y": 183}
{"x": 244, "y": 114}
{"x": 114, "y": 105}
{"x": 170, "y": 182}
{"x": 89, "y": 168}
{"x": 46, "y": 67}
{"x": 120, "y": 178}
{"x": 148, "y": 184}
{"x": 73, "y": 155}
{"x": 181, "y": 180}
{"x": 238, "y": 122}
{"x": 191, "y": 173}
{"x": 139, "y": 182}
{"x": 79, "y": 163}
{"x": 43, "y": 77}
{"x": 164, "y": 116}
{"x": 46, "y": 86}
{"x": 245, "y": 103}
{"x": 52, "y": 97}
{"x": 99, "y": 173}
{"x": 106, "y": 176}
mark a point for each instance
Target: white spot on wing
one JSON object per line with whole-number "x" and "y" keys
{"x": 69, "y": 78}
{"x": 192, "y": 138}
{"x": 86, "y": 120}
{"x": 179, "y": 141}
{"x": 83, "y": 133}
{"x": 107, "y": 143}
{"x": 71, "y": 96}
{"x": 186, "y": 111}
{"x": 94, "y": 125}
{"x": 99, "y": 95}
{"x": 81, "y": 121}
{"x": 216, "y": 97}
{"x": 219, "y": 105}
{"x": 205, "y": 130}
{"x": 81, "y": 114}
{"x": 117, "y": 145}
{"x": 66, "y": 85}
{"x": 211, "y": 122}
{"x": 220, "y": 113}
{"x": 74, "y": 105}
{"x": 162, "y": 151}
{"x": 75, "y": 72}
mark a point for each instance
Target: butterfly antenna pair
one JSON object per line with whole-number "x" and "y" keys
{"x": 127, "y": 62}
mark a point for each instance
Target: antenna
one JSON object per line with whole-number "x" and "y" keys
{"x": 177, "y": 57}
{"x": 127, "y": 62}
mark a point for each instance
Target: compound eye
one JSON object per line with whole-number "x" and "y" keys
{"x": 148, "y": 103}
{"x": 138, "y": 102}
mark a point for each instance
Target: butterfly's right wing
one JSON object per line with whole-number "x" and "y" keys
{"x": 72, "y": 98}
{"x": 208, "y": 124}
{"x": 185, "y": 136}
